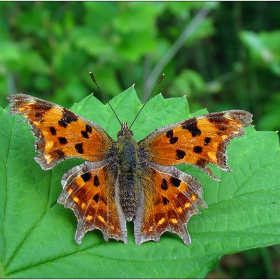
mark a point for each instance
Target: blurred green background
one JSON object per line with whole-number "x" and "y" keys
{"x": 220, "y": 55}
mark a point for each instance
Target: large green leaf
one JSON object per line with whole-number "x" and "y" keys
{"x": 37, "y": 234}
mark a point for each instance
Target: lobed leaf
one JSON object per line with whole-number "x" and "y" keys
{"x": 37, "y": 234}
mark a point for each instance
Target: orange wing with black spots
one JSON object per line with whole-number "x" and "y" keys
{"x": 89, "y": 190}
{"x": 171, "y": 198}
{"x": 61, "y": 134}
{"x": 197, "y": 141}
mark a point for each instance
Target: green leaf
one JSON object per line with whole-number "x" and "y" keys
{"x": 37, "y": 234}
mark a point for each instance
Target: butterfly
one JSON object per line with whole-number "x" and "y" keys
{"x": 122, "y": 181}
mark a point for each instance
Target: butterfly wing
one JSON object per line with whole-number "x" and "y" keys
{"x": 91, "y": 191}
{"x": 171, "y": 197}
{"x": 197, "y": 141}
{"x": 60, "y": 133}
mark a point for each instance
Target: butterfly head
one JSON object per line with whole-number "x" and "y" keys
{"x": 125, "y": 132}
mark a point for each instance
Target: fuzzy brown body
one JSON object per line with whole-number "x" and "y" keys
{"x": 128, "y": 172}
{"x": 127, "y": 181}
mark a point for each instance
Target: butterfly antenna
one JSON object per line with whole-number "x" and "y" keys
{"x": 158, "y": 82}
{"x": 104, "y": 96}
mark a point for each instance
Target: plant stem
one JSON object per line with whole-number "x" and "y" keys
{"x": 189, "y": 29}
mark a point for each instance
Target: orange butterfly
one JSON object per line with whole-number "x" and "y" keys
{"x": 128, "y": 181}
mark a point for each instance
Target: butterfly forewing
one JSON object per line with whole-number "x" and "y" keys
{"x": 197, "y": 141}
{"x": 61, "y": 133}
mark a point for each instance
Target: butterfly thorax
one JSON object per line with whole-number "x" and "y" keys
{"x": 128, "y": 169}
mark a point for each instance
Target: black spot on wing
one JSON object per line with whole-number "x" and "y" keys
{"x": 191, "y": 126}
{"x": 79, "y": 148}
{"x": 96, "y": 198}
{"x": 84, "y": 134}
{"x": 175, "y": 182}
{"x": 207, "y": 141}
{"x": 165, "y": 201}
{"x": 164, "y": 184}
{"x": 67, "y": 117}
{"x": 169, "y": 133}
{"x": 86, "y": 176}
{"x": 180, "y": 154}
{"x": 52, "y": 130}
{"x": 62, "y": 140}
{"x": 96, "y": 181}
{"x": 173, "y": 140}
{"x": 197, "y": 149}
{"x": 88, "y": 128}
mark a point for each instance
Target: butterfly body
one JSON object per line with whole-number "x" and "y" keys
{"x": 124, "y": 180}
{"x": 128, "y": 171}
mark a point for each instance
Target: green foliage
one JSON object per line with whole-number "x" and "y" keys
{"x": 52, "y": 46}
{"x": 37, "y": 234}
{"x": 263, "y": 49}
{"x": 47, "y": 49}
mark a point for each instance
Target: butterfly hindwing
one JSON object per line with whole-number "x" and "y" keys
{"x": 60, "y": 133}
{"x": 91, "y": 191}
{"x": 171, "y": 197}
